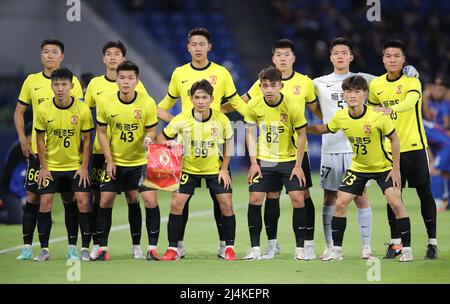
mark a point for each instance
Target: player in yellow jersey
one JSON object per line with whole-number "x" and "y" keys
{"x": 183, "y": 77}
{"x": 113, "y": 54}
{"x": 300, "y": 87}
{"x": 366, "y": 130}
{"x": 275, "y": 159}
{"x": 202, "y": 131}
{"x": 400, "y": 97}
{"x": 66, "y": 124}
{"x": 132, "y": 119}
{"x": 35, "y": 90}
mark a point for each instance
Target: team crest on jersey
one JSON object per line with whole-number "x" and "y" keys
{"x": 214, "y": 131}
{"x": 296, "y": 89}
{"x": 213, "y": 79}
{"x": 283, "y": 117}
{"x": 137, "y": 114}
{"x": 74, "y": 119}
{"x": 367, "y": 129}
{"x": 399, "y": 89}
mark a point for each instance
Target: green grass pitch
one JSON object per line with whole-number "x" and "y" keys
{"x": 202, "y": 266}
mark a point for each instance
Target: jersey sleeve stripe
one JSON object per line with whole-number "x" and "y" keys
{"x": 390, "y": 133}
{"x": 225, "y": 99}
{"x": 415, "y": 91}
{"x": 167, "y": 136}
{"x": 23, "y": 103}
{"x": 329, "y": 129}
{"x": 312, "y": 101}
{"x": 88, "y": 130}
{"x": 418, "y": 121}
{"x": 248, "y": 96}
{"x": 39, "y": 130}
{"x": 101, "y": 123}
{"x": 171, "y": 96}
{"x": 372, "y": 103}
{"x": 301, "y": 127}
{"x": 151, "y": 126}
{"x": 382, "y": 148}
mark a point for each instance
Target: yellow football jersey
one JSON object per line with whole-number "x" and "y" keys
{"x": 97, "y": 88}
{"x": 128, "y": 123}
{"x": 185, "y": 76}
{"x": 366, "y": 135}
{"x": 63, "y": 128}
{"x": 408, "y": 124}
{"x": 36, "y": 89}
{"x": 299, "y": 86}
{"x": 277, "y": 127}
{"x": 201, "y": 140}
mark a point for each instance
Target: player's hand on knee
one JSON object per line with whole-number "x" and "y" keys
{"x": 111, "y": 170}
{"x": 255, "y": 170}
{"x": 298, "y": 172}
{"x": 83, "y": 173}
{"x": 396, "y": 178}
{"x": 225, "y": 177}
{"x": 44, "y": 174}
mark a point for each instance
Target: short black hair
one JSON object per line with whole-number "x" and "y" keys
{"x": 270, "y": 73}
{"x": 283, "y": 44}
{"x": 53, "y": 42}
{"x": 199, "y": 31}
{"x": 341, "y": 41}
{"x": 128, "y": 65}
{"x": 115, "y": 44}
{"x": 394, "y": 43}
{"x": 62, "y": 74}
{"x": 354, "y": 83}
{"x": 202, "y": 85}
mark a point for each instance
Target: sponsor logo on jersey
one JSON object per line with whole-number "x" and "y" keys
{"x": 74, "y": 119}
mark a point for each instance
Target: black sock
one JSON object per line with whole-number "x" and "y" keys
{"x": 71, "y": 220}
{"x": 338, "y": 225}
{"x": 30, "y": 215}
{"x": 94, "y": 211}
{"x": 44, "y": 227}
{"x": 185, "y": 218}
{"x": 254, "y": 219}
{"x": 104, "y": 219}
{"x": 395, "y": 234}
{"x": 310, "y": 219}
{"x": 229, "y": 229}
{"x": 428, "y": 209}
{"x": 85, "y": 227}
{"x": 153, "y": 222}
{"x": 271, "y": 216}
{"x": 135, "y": 220}
{"x": 217, "y": 217}
{"x": 404, "y": 226}
{"x": 299, "y": 226}
{"x": 174, "y": 228}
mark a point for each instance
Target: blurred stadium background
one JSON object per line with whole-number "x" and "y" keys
{"x": 155, "y": 31}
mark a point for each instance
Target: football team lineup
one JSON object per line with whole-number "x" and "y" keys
{"x": 372, "y": 131}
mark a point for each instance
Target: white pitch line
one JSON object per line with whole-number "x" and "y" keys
{"x": 118, "y": 228}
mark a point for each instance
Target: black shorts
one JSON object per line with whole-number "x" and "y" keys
{"x": 97, "y": 170}
{"x": 31, "y": 180}
{"x": 355, "y": 182}
{"x": 127, "y": 179}
{"x": 62, "y": 182}
{"x": 275, "y": 175}
{"x": 188, "y": 183}
{"x": 414, "y": 168}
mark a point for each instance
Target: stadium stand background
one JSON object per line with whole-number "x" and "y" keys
{"x": 242, "y": 35}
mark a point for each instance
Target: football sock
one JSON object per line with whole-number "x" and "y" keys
{"x": 338, "y": 225}
{"x": 271, "y": 216}
{"x": 365, "y": 225}
{"x": 254, "y": 219}
{"x": 404, "y": 226}
{"x": 94, "y": 211}
{"x": 153, "y": 222}
{"x": 71, "y": 220}
{"x": 104, "y": 218}
{"x": 30, "y": 215}
{"x": 85, "y": 227}
{"x": 44, "y": 226}
{"x": 299, "y": 225}
{"x": 428, "y": 209}
{"x": 174, "y": 228}
{"x": 327, "y": 216}
{"x": 229, "y": 229}
{"x": 135, "y": 220}
{"x": 185, "y": 217}
{"x": 310, "y": 219}
{"x": 395, "y": 234}
{"x": 217, "y": 216}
